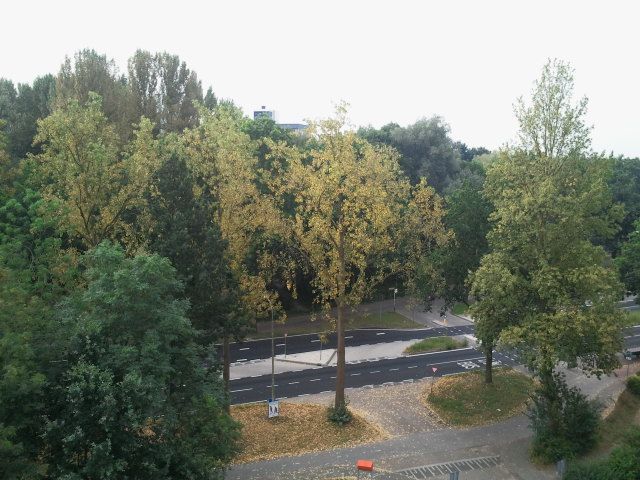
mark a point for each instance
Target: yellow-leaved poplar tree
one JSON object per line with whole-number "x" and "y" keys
{"x": 86, "y": 174}
{"x": 221, "y": 157}
{"x": 353, "y": 209}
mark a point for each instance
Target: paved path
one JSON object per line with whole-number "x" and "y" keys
{"x": 421, "y": 444}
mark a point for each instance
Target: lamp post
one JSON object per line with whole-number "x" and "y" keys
{"x": 273, "y": 360}
{"x": 395, "y": 290}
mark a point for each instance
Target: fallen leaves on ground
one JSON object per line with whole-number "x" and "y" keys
{"x": 300, "y": 428}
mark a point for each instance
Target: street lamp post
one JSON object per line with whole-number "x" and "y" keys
{"x": 395, "y": 290}
{"x": 273, "y": 360}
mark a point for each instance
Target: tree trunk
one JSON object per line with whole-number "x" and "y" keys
{"x": 226, "y": 366}
{"x": 340, "y": 374}
{"x": 488, "y": 365}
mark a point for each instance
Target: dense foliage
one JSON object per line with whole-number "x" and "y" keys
{"x": 142, "y": 222}
{"x": 563, "y": 420}
{"x": 622, "y": 464}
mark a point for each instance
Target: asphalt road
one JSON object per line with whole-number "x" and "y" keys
{"x": 261, "y": 349}
{"x": 380, "y": 372}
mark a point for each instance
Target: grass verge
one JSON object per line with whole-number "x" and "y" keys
{"x": 613, "y": 428}
{"x": 459, "y": 308}
{"x": 300, "y": 428}
{"x": 465, "y": 400}
{"x": 435, "y": 344}
{"x": 386, "y": 320}
{"x": 631, "y": 318}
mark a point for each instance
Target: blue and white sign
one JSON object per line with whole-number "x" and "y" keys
{"x": 274, "y": 408}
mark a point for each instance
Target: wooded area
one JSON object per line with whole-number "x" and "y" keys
{"x": 143, "y": 221}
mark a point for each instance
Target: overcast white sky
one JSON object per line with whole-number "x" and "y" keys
{"x": 392, "y": 61}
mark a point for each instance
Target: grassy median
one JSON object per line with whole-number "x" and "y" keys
{"x": 435, "y": 344}
{"x": 465, "y": 400}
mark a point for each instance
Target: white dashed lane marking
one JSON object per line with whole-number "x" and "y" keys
{"x": 245, "y": 348}
{"x": 241, "y": 390}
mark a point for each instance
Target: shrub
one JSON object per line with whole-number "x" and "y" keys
{"x": 622, "y": 464}
{"x": 633, "y": 384}
{"x": 563, "y": 420}
{"x": 339, "y": 415}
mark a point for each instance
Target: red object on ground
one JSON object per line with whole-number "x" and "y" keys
{"x": 366, "y": 465}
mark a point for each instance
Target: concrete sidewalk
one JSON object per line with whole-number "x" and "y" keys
{"x": 327, "y": 357}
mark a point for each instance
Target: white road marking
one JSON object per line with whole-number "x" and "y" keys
{"x": 246, "y": 348}
{"x": 333, "y": 378}
{"x": 381, "y": 333}
{"x": 314, "y": 341}
{"x": 347, "y": 338}
{"x": 241, "y": 390}
{"x": 280, "y": 344}
{"x": 375, "y": 371}
{"x": 315, "y": 380}
{"x": 293, "y": 383}
{"x": 269, "y": 386}
{"x": 355, "y": 374}
{"x": 241, "y": 360}
{"x": 413, "y": 366}
{"x": 393, "y": 369}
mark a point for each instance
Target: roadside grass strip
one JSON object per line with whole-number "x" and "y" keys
{"x": 390, "y": 320}
{"x": 464, "y": 400}
{"x": 618, "y": 423}
{"x": 299, "y": 429}
{"x": 459, "y": 308}
{"x": 435, "y": 344}
{"x": 386, "y": 320}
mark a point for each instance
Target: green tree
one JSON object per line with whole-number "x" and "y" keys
{"x": 628, "y": 262}
{"x": 551, "y": 199}
{"x": 91, "y": 72}
{"x": 426, "y": 150}
{"x": 467, "y": 215}
{"x": 165, "y": 90}
{"x": 35, "y": 272}
{"x": 21, "y": 109}
{"x": 625, "y": 185}
{"x": 552, "y": 125}
{"x": 135, "y": 400}
{"x": 563, "y": 420}
{"x": 183, "y": 230}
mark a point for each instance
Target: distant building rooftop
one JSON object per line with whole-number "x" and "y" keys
{"x": 263, "y": 112}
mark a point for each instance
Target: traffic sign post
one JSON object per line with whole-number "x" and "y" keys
{"x": 629, "y": 358}
{"x": 434, "y": 369}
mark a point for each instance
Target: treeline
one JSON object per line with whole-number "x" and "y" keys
{"x": 141, "y": 222}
